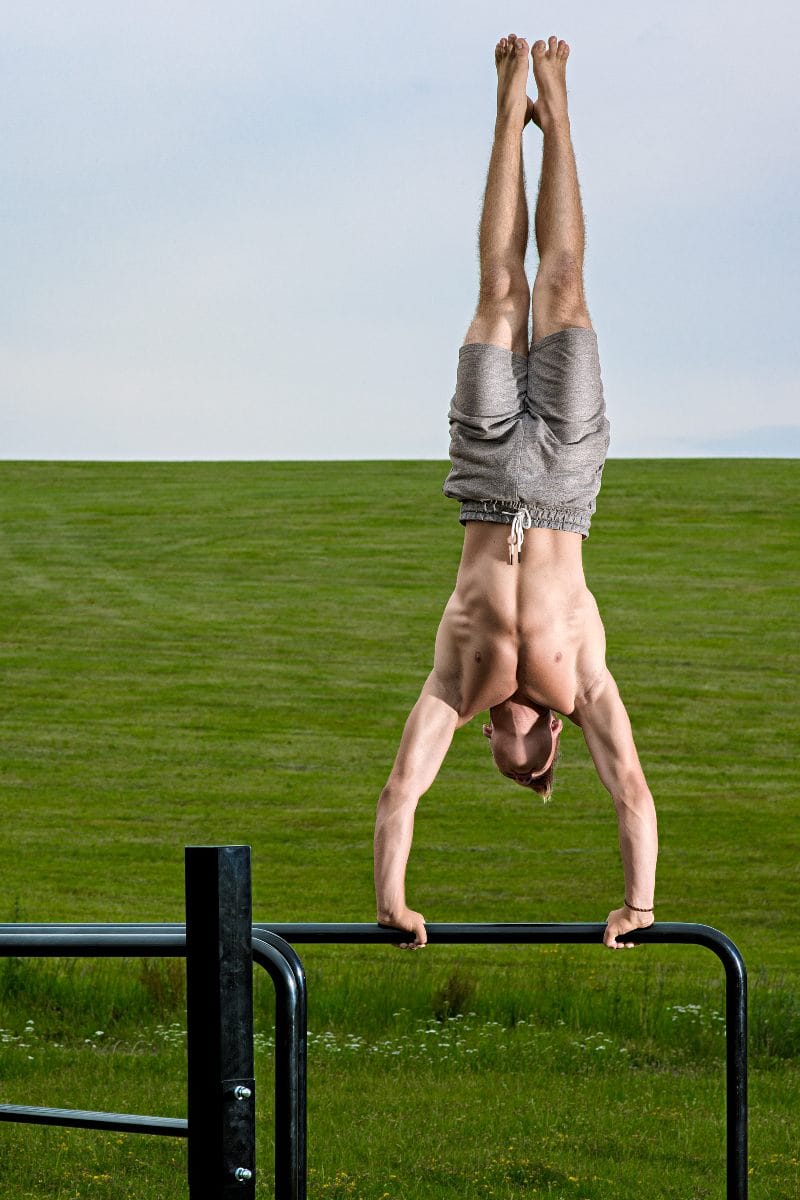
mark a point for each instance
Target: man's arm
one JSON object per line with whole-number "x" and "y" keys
{"x": 607, "y": 730}
{"x": 426, "y": 739}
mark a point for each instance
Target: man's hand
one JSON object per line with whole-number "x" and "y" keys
{"x": 624, "y": 920}
{"x": 414, "y": 922}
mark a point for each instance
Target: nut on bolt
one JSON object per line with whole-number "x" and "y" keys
{"x": 240, "y": 1092}
{"x": 242, "y": 1174}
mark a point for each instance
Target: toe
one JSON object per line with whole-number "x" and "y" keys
{"x": 539, "y": 48}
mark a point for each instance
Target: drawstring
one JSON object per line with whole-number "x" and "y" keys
{"x": 522, "y": 521}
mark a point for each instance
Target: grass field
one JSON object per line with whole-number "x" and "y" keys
{"x": 226, "y": 652}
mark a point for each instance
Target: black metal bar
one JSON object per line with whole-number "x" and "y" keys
{"x": 663, "y": 933}
{"x": 495, "y": 933}
{"x": 89, "y": 927}
{"x": 219, "y": 1016}
{"x": 270, "y": 951}
{"x": 51, "y": 942}
{"x": 291, "y": 1024}
{"x": 736, "y": 1070}
{"x": 93, "y": 945}
{"x": 90, "y": 940}
{"x": 82, "y": 1118}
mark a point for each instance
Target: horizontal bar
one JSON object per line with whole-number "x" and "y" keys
{"x": 93, "y": 926}
{"x": 169, "y": 939}
{"x": 499, "y": 933}
{"x": 79, "y": 1118}
{"x": 91, "y": 944}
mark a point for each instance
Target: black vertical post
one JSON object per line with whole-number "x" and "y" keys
{"x": 219, "y": 1017}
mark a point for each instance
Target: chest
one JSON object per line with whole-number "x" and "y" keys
{"x": 540, "y": 666}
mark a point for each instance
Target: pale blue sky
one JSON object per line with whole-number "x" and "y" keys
{"x": 250, "y": 231}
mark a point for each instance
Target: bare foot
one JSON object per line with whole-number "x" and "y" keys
{"x": 550, "y": 73}
{"x": 511, "y": 58}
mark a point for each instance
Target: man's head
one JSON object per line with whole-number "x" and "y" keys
{"x": 525, "y": 743}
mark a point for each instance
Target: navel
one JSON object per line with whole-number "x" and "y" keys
{"x": 477, "y": 656}
{"x": 559, "y": 656}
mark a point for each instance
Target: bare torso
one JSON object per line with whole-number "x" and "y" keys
{"x": 531, "y": 631}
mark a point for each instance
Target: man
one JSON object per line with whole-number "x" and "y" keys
{"x": 521, "y": 635}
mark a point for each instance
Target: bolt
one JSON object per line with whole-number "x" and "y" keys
{"x": 240, "y": 1092}
{"x": 242, "y": 1174}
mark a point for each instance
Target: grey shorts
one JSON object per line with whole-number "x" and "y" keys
{"x": 529, "y": 432}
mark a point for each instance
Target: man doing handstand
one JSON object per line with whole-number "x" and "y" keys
{"x": 521, "y": 634}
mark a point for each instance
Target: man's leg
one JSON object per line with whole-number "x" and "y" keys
{"x": 558, "y": 292}
{"x": 501, "y": 317}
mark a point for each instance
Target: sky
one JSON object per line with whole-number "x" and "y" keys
{"x": 249, "y": 230}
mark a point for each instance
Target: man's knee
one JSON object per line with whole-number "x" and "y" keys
{"x": 560, "y": 275}
{"x": 504, "y": 287}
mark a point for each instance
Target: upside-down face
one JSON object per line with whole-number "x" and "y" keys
{"x": 526, "y": 756}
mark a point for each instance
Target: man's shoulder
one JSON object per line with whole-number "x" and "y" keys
{"x": 592, "y": 691}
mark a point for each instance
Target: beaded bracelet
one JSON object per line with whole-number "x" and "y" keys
{"x": 633, "y": 908}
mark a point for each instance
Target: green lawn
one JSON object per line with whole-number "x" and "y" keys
{"x": 226, "y": 652}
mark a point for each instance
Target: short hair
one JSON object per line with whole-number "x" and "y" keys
{"x": 543, "y": 784}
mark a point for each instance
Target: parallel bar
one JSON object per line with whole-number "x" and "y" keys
{"x": 45, "y": 943}
{"x": 169, "y": 940}
{"x": 81, "y": 1118}
{"x": 219, "y": 1016}
{"x": 93, "y": 926}
{"x": 163, "y": 939}
{"x": 663, "y": 933}
{"x": 495, "y": 933}
{"x": 94, "y": 945}
{"x": 51, "y": 939}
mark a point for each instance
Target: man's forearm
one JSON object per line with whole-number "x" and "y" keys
{"x": 426, "y": 738}
{"x": 394, "y": 830}
{"x": 638, "y": 843}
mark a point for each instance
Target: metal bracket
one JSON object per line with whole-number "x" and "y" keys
{"x": 238, "y": 1122}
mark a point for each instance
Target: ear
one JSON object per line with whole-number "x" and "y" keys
{"x": 487, "y": 731}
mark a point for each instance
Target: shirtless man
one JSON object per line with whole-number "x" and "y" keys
{"x": 521, "y": 634}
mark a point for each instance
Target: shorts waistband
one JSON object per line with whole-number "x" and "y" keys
{"x": 503, "y": 512}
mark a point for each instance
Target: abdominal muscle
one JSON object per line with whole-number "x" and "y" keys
{"x": 530, "y": 631}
